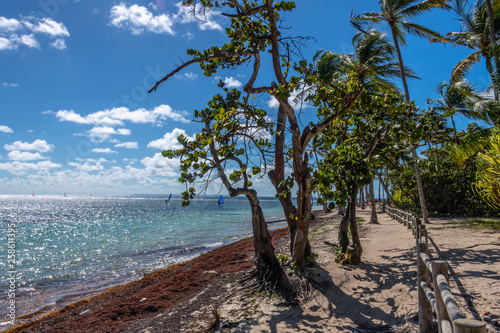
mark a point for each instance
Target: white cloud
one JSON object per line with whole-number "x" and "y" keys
{"x": 28, "y": 40}
{"x": 104, "y": 151}
{"x": 10, "y": 85}
{"x": 7, "y": 25}
{"x": 86, "y": 166}
{"x": 138, "y": 19}
{"x": 295, "y": 100}
{"x": 103, "y": 133}
{"x": 161, "y": 166}
{"x": 17, "y": 155}
{"x": 49, "y": 27}
{"x": 169, "y": 140}
{"x": 39, "y": 145}
{"x": 5, "y": 129}
{"x": 20, "y": 168}
{"x": 65, "y": 115}
{"x": 231, "y": 82}
{"x": 14, "y": 33}
{"x": 130, "y": 160}
{"x": 188, "y": 36}
{"x": 128, "y": 145}
{"x": 189, "y": 76}
{"x": 59, "y": 44}
{"x": 118, "y": 116}
{"x": 205, "y": 22}
{"x": 6, "y": 44}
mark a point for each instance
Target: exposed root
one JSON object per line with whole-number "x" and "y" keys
{"x": 209, "y": 320}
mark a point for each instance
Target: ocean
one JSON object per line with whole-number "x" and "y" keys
{"x": 68, "y": 248}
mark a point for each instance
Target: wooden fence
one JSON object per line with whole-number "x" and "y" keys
{"x": 434, "y": 293}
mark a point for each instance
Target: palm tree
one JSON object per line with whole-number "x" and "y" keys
{"x": 463, "y": 98}
{"x": 372, "y": 65}
{"x": 398, "y": 15}
{"x": 478, "y": 36}
{"x": 372, "y": 62}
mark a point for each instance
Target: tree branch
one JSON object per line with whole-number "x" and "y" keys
{"x": 220, "y": 55}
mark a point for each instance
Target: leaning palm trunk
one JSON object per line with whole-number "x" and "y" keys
{"x": 386, "y": 190}
{"x": 493, "y": 41}
{"x": 420, "y": 185}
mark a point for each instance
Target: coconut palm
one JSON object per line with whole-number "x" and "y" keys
{"x": 476, "y": 35}
{"x": 372, "y": 63}
{"x": 463, "y": 98}
{"x": 398, "y": 15}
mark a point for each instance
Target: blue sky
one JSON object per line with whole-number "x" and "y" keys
{"x": 74, "y": 113}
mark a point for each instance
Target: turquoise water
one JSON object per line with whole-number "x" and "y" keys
{"x": 70, "y": 247}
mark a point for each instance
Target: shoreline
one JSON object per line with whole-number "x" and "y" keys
{"x": 377, "y": 295}
{"x": 236, "y": 256}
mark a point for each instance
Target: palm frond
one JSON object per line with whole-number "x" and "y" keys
{"x": 471, "y": 144}
{"x": 364, "y": 22}
{"x": 487, "y": 183}
{"x": 421, "y": 31}
{"x": 425, "y": 6}
{"x": 463, "y": 67}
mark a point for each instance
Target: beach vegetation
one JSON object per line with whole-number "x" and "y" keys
{"x": 480, "y": 223}
{"x": 399, "y": 16}
{"x": 234, "y": 135}
{"x": 256, "y": 31}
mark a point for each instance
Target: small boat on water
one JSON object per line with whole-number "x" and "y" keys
{"x": 167, "y": 201}
{"x": 221, "y": 201}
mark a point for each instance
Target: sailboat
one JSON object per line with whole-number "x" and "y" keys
{"x": 221, "y": 201}
{"x": 167, "y": 201}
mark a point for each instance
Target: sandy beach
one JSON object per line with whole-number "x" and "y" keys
{"x": 379, "y": 295}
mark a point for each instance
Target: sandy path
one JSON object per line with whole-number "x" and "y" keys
{"x": 473, "y": 258}
{"x": 377, "y": 295}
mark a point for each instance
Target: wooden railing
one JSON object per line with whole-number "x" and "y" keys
{"x": 433, "y": 284}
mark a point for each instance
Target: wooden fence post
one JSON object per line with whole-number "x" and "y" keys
{"x": 439, "y": 267}
{"x": 466, "y": 325}
{"x": 425, "y": 319}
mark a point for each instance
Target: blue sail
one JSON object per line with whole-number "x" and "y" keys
{"x": 221, "y": 201}
{"x": 167, "y": 201}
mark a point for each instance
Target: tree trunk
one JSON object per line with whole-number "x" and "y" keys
{"x": 278, "y": 175}
{"x": 379, "y": 197}
{"x": 493, "y": 41}
{"x": 344, "y": 229}
{"x": 303, "y": 179}
{"x": 354, "y": 225}
{"x": 373, "y": 218}
{"x": 361, "y": 199}
{"x": 400, "y": 60}
{"x": 389, "y": 197}
{"x": 341, "y": 210}
{"x": 325, "y": 208}
{"x": 423, "y": 206}
{"x": 266, "y": 263}
{"x": 420, "y": 186}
